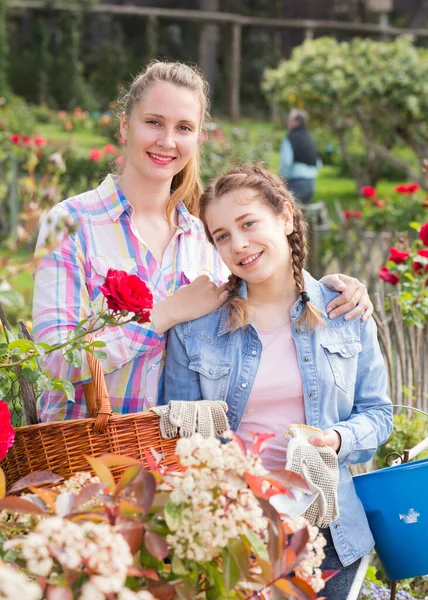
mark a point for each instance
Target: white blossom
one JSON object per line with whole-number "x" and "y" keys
{"x": 14, "y": 584}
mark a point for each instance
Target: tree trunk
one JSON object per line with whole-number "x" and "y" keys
{"x": 208, "y": 44}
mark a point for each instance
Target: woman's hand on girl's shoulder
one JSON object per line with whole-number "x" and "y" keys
{"x": 189, "y": 302}
{"x": 353, "y": 299}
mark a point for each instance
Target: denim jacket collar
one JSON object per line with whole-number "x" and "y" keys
{"x": 312, "y": 287}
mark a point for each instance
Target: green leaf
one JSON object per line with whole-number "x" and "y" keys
{"x": 178, "y": 567}
{"x": 173, "y": 514}
{"x": 231, "y": 572}
{"x": 66, "y": 386}
{"x": 97, "y": 344}
{"x": 100, "y": 354}
{"x": 415, "y": 225}
{"x": 256, "y": 544}
{"x": 74, "y": 357}
{"x": 22, "y": 345}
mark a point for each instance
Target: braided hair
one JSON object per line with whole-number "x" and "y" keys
{"x": 272, "y": 191}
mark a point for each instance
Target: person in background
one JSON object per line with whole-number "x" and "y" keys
{"x": 273, "y": 356}
{"x": 299, "y": 160}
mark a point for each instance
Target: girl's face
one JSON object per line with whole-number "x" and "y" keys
{"x": 250, "y": 238}
{"x": 162, "y": 132}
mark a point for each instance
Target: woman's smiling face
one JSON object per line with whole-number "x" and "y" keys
{"x": 162, "y": 131}
{"x": 250, "y": 237}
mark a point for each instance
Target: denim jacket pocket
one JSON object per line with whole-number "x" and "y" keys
{"x": 343, "y": 359}
{"x": 213, "y": 376}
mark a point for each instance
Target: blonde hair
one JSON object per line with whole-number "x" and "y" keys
{"x": 273, "y": 192}
{"x": 186, "y": 184}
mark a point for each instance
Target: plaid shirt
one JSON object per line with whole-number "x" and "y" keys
{"x": 68, "y": 279}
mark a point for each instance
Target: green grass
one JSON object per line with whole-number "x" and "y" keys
{"x": 82, "y": 141}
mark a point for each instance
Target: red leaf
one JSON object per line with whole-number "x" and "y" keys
{"x": 302, "y": 589}
{"x": 326, "y": 575}
{"x": 89, "y": 491}
{"x": 19, "y": 505}
{"x": 35, "y": 479}
{"x": 292, "y": 480}
{"x": 258, "y": 441}
{"x": 143, "y": 572}
{"x": 132, "y": 532}
{"x": 156, "y": 545}
{"x": 299, "y": 540}
{"x": 144, "y": 487}
{"x": 162, "y": 590}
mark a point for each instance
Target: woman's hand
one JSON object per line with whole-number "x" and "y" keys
{"x": 189, "y": 302}
{"x": 329, "y": 437}
{"x": 353, "y": 296}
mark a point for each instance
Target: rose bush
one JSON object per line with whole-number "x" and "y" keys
{"x": 407, "y": 271}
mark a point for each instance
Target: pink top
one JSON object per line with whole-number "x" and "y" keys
{"x": 276, "y": 399}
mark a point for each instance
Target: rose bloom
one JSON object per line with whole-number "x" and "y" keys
{"x": 423, "y": 234}
{"x": 379, "y": 203}
{"x": 7, "y": 432}
{"x": 368, "y": 191}
{"x": 352, "y": 214}
{"x": 401, "y": 189}
{"x": 15, "y": 138}
{"x": 417, "y": 266}
{"x": 40, "y": 141}
{"x": 127, "y": 292}
{"x": 95, "y": 155}
{"x": 412, "y": 187}
{"x": 110, "y": 149}
{"x": 389, "y": 277}
{"x": 398, "y": 256}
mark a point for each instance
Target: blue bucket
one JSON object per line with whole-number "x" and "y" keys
{"x": 396, "y": 503}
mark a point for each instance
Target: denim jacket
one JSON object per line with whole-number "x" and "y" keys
{"x": 344, "y": 386}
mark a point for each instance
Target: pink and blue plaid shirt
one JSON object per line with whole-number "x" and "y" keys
{"x": 68, "y": 279}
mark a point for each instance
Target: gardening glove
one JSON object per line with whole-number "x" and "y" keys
{"x": 319, "y": 466}
{"x": 206, "y": 417}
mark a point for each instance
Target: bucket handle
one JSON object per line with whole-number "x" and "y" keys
{"x": 413, "y": 452}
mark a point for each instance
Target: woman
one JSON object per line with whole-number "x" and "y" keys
{"x": 140, "y": 222}
{"x": 275, "y": 358}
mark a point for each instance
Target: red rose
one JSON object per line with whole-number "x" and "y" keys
{"x": 412, "y": 187}
{"x": 417, "y": 266}
{"x": 110, "y": 149}
{"x": 379, "y": 203}
{"x": 386, "y": 275}
{"x": 15, "y": 138}
{"x": 398, "y": 256}
{"x": 40, "y": 141}
{"x": 95, "y": 155}
{"x": 368, "y": 191}
{"x": 401, "y": 189}
{"x": 352, "y": 214}
{"x": 423, "y": 234}
{"x": 7, "y": 432}
{"x": 127, "y": 292}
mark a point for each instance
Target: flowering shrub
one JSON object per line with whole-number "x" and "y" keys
{"x": 395, "y": 211}
{"x": 407, "y": 271}
{"x": 206, "y": 531}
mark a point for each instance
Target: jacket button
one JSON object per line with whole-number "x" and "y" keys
{"x": 298, "y": 329}
{"x": 243, "y": 385}
{"x": 211, "y": 371}
{"x": 233, "y": 418}
{"x": 337, "y": 526}
{"x": 306, "y": 359}
{"x": 311, "y": 394}
{"x": 254, "y": 352}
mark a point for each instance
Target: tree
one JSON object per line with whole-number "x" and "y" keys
{"x": 375, "y": 91}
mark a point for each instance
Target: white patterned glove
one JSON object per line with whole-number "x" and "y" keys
{"x": 206, "y": 417}
{"x": 320, "y": 468}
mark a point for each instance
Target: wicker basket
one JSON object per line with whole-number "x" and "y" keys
{"x": 61, "y": 446}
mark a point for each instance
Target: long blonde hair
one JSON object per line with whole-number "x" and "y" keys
{"x": 273, "y": 192}
{"x": 186, "y": 184}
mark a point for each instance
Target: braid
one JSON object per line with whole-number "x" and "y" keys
{"x": 297, "y": 242}
{"x": 239, "y": 310}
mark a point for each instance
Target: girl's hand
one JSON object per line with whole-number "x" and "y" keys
{"x": 353, "y": 296}
{"x": 330, "y": 437}
{"x": 189, "y": 302}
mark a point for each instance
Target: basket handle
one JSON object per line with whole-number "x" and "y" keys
{"x": 96, "y": 395}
